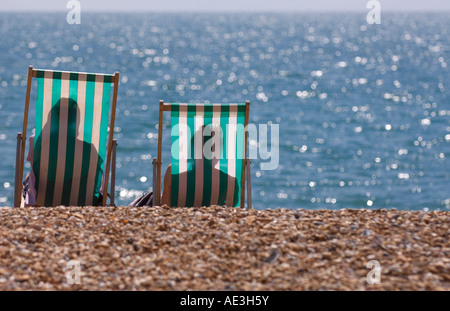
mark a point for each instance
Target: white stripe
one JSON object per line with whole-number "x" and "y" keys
{"x": 95, "y": 141}
{"x": 183, "y": 152}
{"x": 231, "y": 156}
{"x": 65, "y": 75}
{"x": 45, "y": 136}
{"x": 215, "y": 161}
{"x": 198, "y": 146}
{"x": 78, "y": 159}
{"x": 62, "y": 138}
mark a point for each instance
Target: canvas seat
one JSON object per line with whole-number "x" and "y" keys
{"x": 208, "y": 155}
{"x": 72, "y": 148}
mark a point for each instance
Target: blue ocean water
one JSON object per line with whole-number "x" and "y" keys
{"x": 363, "y": 110}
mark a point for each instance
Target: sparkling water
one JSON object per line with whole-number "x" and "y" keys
{"x": 363, "y": 110}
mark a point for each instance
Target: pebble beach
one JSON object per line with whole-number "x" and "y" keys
{"x": 220, "y": 248}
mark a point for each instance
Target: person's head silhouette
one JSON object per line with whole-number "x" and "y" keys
{"x": 210, "y": 146}
{"x": 204, "y": 165}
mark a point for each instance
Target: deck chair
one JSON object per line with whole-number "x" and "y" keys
{"x": 73, "y": 113}
{"x": 208, "y": 155}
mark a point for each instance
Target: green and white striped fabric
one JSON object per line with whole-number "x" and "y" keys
{"x": 207, "y": 154}
{"x": 70, "y": 140}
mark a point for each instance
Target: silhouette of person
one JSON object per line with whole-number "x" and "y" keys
{"x": 76, "y": 152}
{"x": 207, "y": 163}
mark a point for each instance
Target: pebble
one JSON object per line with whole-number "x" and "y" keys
{"x": 222, "y": 248}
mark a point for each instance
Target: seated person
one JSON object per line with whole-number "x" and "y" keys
{"x": 206, "y": 162}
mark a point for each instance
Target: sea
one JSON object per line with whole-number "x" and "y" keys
{"x": 362, "y": 110}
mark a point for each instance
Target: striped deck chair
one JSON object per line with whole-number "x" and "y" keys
{"x": 208, "y": 155}
{"x": 71, "y": 146}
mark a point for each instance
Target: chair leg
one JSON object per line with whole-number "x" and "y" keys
{"x": 113, "y": 173}
{"x": 249, "y": 186}
{"x": 156, "y": 194}
{"x": 17, "y": 183}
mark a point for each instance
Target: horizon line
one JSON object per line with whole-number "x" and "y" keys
{"x": 137, "y": 11}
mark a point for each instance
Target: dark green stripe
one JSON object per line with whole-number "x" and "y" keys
{"x": 71, "y": 138}
{"x": 207, "y": 164}
{"x": 40, "y": 74}
{"x": 175, "y": 114}
{"x": 190, "y": 188}
{"x": 87, "y": 140}
{"x": 54, "y": 137}
{"x": 57, "y": 75}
